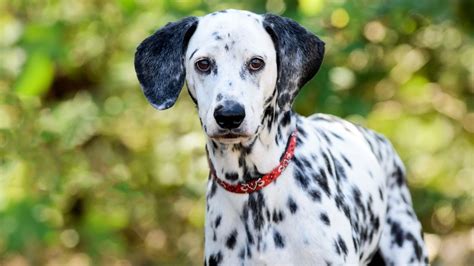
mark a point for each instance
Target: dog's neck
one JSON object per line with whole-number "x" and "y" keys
{"x": 239, "y": 163}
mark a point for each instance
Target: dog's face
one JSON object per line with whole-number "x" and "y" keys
{"x": 231, "y": 70}
{"x": 238, "y": 65}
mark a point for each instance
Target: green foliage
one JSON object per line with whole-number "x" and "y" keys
{"x": 90, "y": 173}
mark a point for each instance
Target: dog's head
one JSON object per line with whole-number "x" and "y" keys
{"x": 237, "y": 64}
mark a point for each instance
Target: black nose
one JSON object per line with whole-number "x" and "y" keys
{"x": 229, "y": 115}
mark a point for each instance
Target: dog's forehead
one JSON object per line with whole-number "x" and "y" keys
{"x": 228, "y": 27}
{"x": 230, "y": 14}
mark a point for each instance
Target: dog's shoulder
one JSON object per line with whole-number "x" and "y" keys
{"x": 340, "y": 134}
{"x": 335, "y": 125}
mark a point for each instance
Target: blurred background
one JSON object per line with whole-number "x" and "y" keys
{"x": 91, "y": 174}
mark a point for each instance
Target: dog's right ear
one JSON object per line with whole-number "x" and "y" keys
{"x": 159, "y": 62}
{"x": 299, "y": 55}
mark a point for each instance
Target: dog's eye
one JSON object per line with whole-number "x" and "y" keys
{"x": 256, "y": 64}
{"x": 203, "y": 65}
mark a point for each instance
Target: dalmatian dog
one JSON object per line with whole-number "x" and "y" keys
{"x": 283, "y": 189}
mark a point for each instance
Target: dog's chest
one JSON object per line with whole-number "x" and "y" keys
{"x": 321, "y": 209}
{"x": 273, "y": 226}
{"x": 327, "y": 206}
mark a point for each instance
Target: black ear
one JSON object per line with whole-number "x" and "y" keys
{"x": 299, "y": 55}
{"x": 159, "y": 62}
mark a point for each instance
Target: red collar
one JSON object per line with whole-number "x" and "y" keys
{"x": 261, "y": 182}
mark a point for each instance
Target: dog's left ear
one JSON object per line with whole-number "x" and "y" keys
{"x": 159, "y": 62}
{"x": 299, "y": 55}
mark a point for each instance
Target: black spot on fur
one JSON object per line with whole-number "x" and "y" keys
{"x": 277, "y": 216}
{"x": 301, "y": 179}
{"x": 286, "y": 119}
{"x": 322, "y": 118}
{"x": 397, "y": 233}
{"x": 336, "y": 136}
{"x": 357, "y": 196}
{"x": 347, "y": 161}
{"x": 399, "y": 176}
{"x": 298, "y": 163}
{"x": 340, "y": 172}
{"x": 405, "y": 200}
{"x": 338, "y": 249}
{"x": 328, "y": 140}
{"x": 410, "y": 213}
{"x": 305, "y": 163}
{"x": 342, "y": 244}
{"x": 213, "y": 189}
{"x": 217, "y": 222}
{"x": 241, "y": 161}
{"x": 416, "y": 246}
{"x": 325, "y": 219}
{"x": 250, "y": 239}
{"x": 328, "y": 164}
{"x": 214, "y": 145}
{"x": 342, "y": 205}
{"x": 354, "y": 242}
{"x": 376, "y": 223}
{"x": 268, "y": 116}
{"x": 279, "y": 241}
{"x": 215, "y": 259}
{"x": 267, "y": 212}
{"x": 231, "y": 240}
{"x": 249, "y": 251}
{"x": 322, "y": 181}
{"x": 256, "y": 204}
{"x": 292, "y": 205}
{"x": 302, "y": 132}
{"x": 315, "y": 195}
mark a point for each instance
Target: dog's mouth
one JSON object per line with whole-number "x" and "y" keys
{"x": 229, "y": 137}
